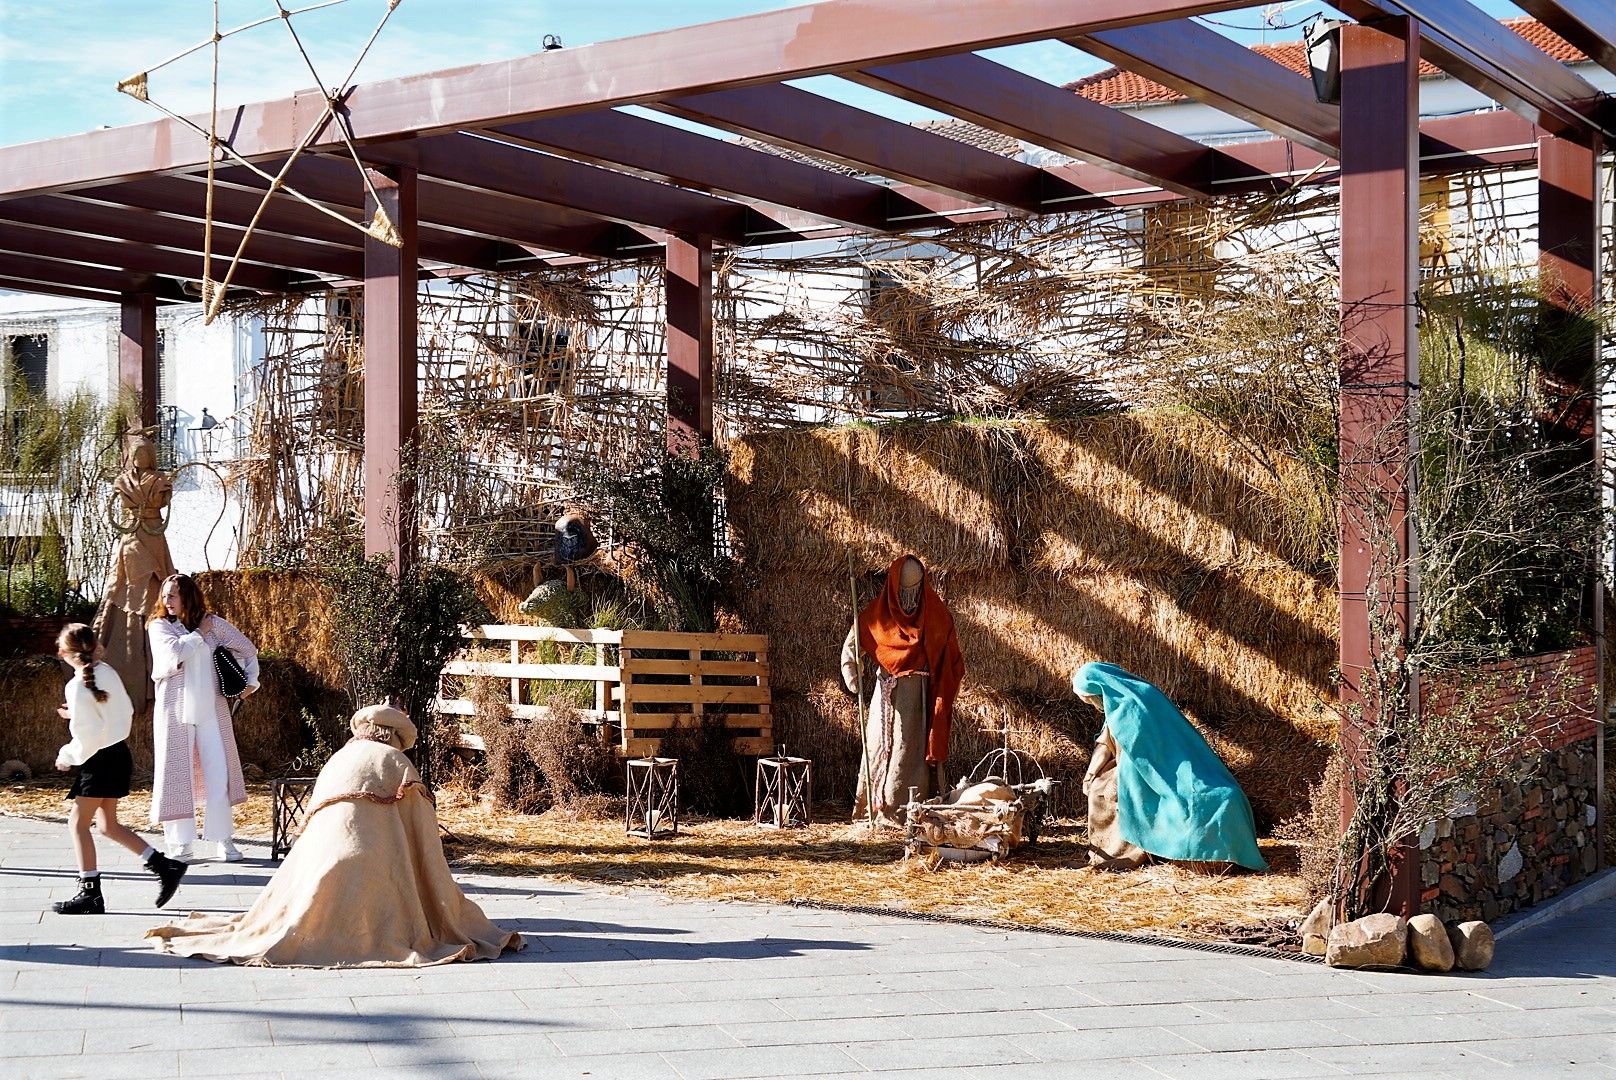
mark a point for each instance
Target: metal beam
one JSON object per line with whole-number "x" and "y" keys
{"x": 837, "y": 35}
{"x": 334, "y": 182}
{"x": 1205, "y": 66}
{"x": 77, "y": 275}
{"x": 823, "y": 128}
{"x": 1001, "y": 99}
{"x": 127, "y": 255}
{"x": 287, "y": 218}
{"x": 137, "y": 352}
{"x": 67, "y": 291}
{"x": 674, "y": 155}
{"x": 1484, "y": 54}
{"x": 1379, "y": 377}
{"x": 391, "y": 375}
{"x": 165, "y": 230}
{"x": 1590, "y": 25}
{"x": 482, "y": 164}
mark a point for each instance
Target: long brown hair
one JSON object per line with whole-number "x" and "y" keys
{"x": 193, "y": 609}
{"x": 79, "y": 640}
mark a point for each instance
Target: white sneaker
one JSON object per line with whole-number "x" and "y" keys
{"x": 228, "y": 852}
{"x": 182, "y": 853}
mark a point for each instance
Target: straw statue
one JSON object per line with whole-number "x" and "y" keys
{"x": 1154, "y": 785}
{"x": 140, "y": 563}
{"x": 909, "y": 634}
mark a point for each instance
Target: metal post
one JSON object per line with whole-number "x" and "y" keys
{"x": 391, "y": 392}
{"x": 1379, "y": 355}
{"x": 689, "y": 286}
{"x": 137, "y": 352}
{"x": 1569, "y": 276}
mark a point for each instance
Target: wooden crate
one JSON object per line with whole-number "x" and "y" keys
{"x": 672, "y": 680}
{"x": 661, "y": 681}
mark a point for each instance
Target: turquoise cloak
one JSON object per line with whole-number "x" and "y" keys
{"x": 1175, "y": 797}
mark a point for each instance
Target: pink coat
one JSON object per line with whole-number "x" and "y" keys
{"x": 177, "y": 787}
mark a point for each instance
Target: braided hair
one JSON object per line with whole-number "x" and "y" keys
{"x": 78, "y": 640}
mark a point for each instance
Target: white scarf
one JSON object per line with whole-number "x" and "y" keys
{"x": 200, "y": 680}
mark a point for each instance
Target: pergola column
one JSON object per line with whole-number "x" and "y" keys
{"x": 391, "y": 391}
{"x": 137, "y": 352}
{"x": 1379, "y": 370}
{"x": 1569, "y": 276}
{"x": 689, "y": 285}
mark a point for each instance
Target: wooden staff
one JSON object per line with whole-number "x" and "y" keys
{"x": 858, "y": 694}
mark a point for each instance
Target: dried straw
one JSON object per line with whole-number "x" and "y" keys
{"x": 1048, "y": 885}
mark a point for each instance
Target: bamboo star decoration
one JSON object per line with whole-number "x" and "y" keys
{"x": 379, "y": 226}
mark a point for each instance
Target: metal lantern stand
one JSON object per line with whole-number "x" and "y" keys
{"x": 785, "y": 792}
{"x": 653, "y": 798}
{"x": 289, "y": 802}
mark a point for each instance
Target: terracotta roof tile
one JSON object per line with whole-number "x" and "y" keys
{"x": 980, "y": 137}
{"x": 1114, "y": 86}
{"x": 959, "y": 130}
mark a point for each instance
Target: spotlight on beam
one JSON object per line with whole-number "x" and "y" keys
{"x": 1323, "y": 38}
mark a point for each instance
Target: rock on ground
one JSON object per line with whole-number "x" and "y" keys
{"x": 1315, "y": 929}
{"x": 1472, "y": 945}
{"x": 1428, "y": 944}
{"x": 1374, "y": 941}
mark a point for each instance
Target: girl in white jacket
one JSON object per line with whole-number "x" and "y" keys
{"x": 97, "y": 711}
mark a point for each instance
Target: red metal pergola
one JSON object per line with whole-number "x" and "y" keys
{"x": 519, "y": 163}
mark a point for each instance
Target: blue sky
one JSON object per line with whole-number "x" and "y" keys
{"x": 60, "y": 61}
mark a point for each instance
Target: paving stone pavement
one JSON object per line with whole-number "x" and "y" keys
{"x": 629, "y": 984}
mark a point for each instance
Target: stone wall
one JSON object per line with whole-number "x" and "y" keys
{"x": 1520, "y": 842}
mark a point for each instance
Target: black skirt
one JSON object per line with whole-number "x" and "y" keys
{"x": 105, "y": 775}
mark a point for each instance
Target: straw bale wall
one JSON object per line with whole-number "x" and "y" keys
{"x": 1146, "y": 540}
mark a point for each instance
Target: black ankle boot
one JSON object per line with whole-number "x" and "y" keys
{"x": 168, "y": 871}
{"x": 87, "y": 902}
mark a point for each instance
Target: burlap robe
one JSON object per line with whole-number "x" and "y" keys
{"x": 895, "y": 734}
{"x": 365, "y": 885}
{"x": 1109, "y": 849}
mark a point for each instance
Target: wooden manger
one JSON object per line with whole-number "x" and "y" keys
{"x": 646, "y": 683}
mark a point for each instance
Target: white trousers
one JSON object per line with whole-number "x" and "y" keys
{"x": 218, "y": 819}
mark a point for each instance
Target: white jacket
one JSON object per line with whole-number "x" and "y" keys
{"x": 95, "y": 725}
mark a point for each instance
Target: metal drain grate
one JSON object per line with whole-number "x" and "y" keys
{"x": 1228, "y": 948}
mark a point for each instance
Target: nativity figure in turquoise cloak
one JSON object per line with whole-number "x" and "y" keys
{"x": 1154, "y": 785}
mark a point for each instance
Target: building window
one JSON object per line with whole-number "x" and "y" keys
{"x": 343, "y": 387}
{"x": 168, "y": 414}
{"x": 538, "y": 351}
{"x": 905, "y": 318}
{"x": 1436, "y": 222}
{"x": 27, "y": 377}
{"x": 28, "y": 363}
{"x": 1179, "y": 246}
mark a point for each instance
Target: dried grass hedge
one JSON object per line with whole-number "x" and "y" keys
{"x": 1148, "y": 540}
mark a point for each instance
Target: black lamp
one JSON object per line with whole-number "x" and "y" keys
{"x": 552, "y": 42}
{"x": 1323, "y": 38}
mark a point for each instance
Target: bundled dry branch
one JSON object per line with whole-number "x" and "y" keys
{"x": 1226, "y": 307}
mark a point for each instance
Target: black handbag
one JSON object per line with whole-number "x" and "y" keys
{"x": 232, "y": 677}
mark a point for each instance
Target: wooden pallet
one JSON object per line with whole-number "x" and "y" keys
{"x": 661, "y": 681}
{"x": 672, "y": 680}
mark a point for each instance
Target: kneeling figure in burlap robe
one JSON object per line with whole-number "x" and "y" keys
{"x": 366, "y": 884}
